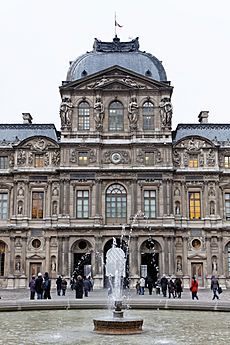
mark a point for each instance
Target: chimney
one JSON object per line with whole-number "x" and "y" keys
{"x": 203, "y": 116}
{"x": 27, "y": 118}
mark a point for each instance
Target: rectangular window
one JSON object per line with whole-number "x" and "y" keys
{"x": 39, "y": 161}
{"x": 227, "y": 205}
{"x": 37, "y": 205}
{"x": 3, "y": 205}
{"x": 193, "y": 161}
{"x": 82, "y": 204}
{"x": 83, "y": 158}
{"x": 194, "y": 205}
{"x": 83, "y": 119}
{"x": 3, "y": 162}
{"x": 150, "y": 203}
{"x": 227, "y": 162}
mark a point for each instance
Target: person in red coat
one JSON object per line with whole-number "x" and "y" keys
{"x": 194, "y": 288}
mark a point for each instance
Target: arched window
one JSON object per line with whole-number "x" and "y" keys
{"x": 116, "y": 116}
{"x": 116, "y": 200}
{"x": 83, "y": 116}
{"x": 2, "y": 257}
{"x": 148, "y": 115}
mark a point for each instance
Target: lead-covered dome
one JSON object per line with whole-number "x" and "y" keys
{"x": 124, "y": 54}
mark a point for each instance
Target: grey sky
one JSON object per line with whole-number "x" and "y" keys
{"x": 39, "y": 38}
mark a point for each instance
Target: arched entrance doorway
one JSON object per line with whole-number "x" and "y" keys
{"x": 2, "y": 258}
{"x": 82, "y": 258}
{"x": 150, "y": 259}
{"x": 123, "y": 246}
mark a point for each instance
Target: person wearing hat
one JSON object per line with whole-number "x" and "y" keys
{"x": 39, "y": 286}
{"x": 32, "y": 287}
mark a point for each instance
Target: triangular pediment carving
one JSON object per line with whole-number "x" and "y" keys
{"x": 35, "y": 257}
{"x": 197, "y": 256}
{"x": 115, "y": 77}
{"x": 194, "y": 143}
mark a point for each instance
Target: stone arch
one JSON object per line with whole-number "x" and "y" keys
{"x": 150, "y": 258}
{"x": 82, "y": 257}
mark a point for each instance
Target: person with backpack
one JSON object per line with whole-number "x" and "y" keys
{"x": 194, "y": 288}
{"x": 46, "y": 286}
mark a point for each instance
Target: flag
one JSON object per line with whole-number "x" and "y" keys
{"x": 116, "y": 24}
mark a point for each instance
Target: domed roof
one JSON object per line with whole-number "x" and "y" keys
{"x": 124, "y": 54}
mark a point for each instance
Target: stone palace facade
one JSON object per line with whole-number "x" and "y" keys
{"x": 115, "y": 171}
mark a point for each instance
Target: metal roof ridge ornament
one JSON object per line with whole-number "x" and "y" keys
{"x": 116, "y": 45}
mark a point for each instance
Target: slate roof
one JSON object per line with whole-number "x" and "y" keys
{"x": 124, "y": 54}
{"x": 217, "y": 133}
{"x": 15, "y": 133}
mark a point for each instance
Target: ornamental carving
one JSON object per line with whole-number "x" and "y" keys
{"x": 99, "y": 113}
{"x": 56, "y": 158}
{"x": 21, "y": 157}
{"x": 176, "y": 158}
{"x": 66, "y": 109}
{"x": 166, "y": 111}
{"x": 74, "y": 156}
{"x": 211, "y": 159}
{"x": 116, "y": 157}
{"x": 46, "y": 159}
{"x": 154, "y": 156}
{"x": 133, "y": 113}
{"x": 99, "y": 83}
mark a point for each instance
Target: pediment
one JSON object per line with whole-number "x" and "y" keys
{"x": 197, "y": 256}
{"x": 194, "y": 143}
{"x": 117, "y": 78}
{"x": 38, "y": 144}
{"x": 35, "y": 257}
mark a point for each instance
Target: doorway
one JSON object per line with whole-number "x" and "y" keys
{"x": 35, "y": 268}
{"x": 197, "y": 271}
{"x": 151, "y": 262}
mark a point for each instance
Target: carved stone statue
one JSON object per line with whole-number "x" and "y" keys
{"x": 66, "y": 110}
{"x": 166, "y": 111}
{"x": 133, "y": 113}
{"x": 99, "y": 113}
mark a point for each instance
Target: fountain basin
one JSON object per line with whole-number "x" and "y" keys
{"x": 116, "y": 325}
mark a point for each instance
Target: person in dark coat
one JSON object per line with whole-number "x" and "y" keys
{"x": 171, "y": 288}
{"x": 79, "y": 287}
{"x": 32, "y": 287}
{"x": 39, "y": 286}
{"x": 47, "y": 286}
{"x": 178, "y": 287}
{"x": 149, "y": 283}
{"x": 58, "y": 283}
{"x": 164, "y": 285}
{"x": 87, "y": 286}
{"x": 214, "y": 287}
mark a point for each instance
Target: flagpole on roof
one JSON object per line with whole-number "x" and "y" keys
{"x": 115, "y": 21}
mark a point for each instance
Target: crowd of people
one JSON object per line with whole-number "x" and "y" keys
{"x": 173, "y": 287}
{"x": 41, "y": 286}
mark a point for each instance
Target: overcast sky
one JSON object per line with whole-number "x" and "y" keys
{"x": 39, "y": 38}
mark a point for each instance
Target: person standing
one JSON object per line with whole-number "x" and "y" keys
{"x": 194, "y": 288}
{"x": 150, "y": 285}
{"x": 171, "y": 288}
{"x": 142, "y": 286}
{"x": 214, "y": 287}
{"x": 59, "y": 283}
{"x": 47, "y": 286}
{"x": 63, "y": 286}
{"x": 87, "y": 286}
{"x": 79, "y": 287}
{"x": 178, "y": 287}
{"x": 39, "y": 286}
{"x": 164, "y": 285}
{"x": 32, "y": 287}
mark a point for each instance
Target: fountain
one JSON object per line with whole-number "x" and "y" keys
{"x": 115, "y": 271}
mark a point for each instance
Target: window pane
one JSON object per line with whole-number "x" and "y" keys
{"x": 3, "y": 205}
{"x": 116, "y": 202}
{"x": 116, "y": 117}
{"x": 83, "y": 116}
{"x": 148, "y": 115}
{"x": 3, "y": 162}
{"x": 37, "y": 205}
{"x": 82, "y": 204}
{"x": 150, "y": 203}
{"x": 194, "y": 205}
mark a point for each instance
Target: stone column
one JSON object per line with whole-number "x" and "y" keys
{"x": 205, "y": 199}
{"x": 166, "y": 257}
{"x": 133, "y": 258}
{"x": 208, "y": 249}
{"x": 221, "y": 256}
{"x": 185, "y": 255}
{"x": 47, "y": 254}
{"x": 65, "y": 255}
